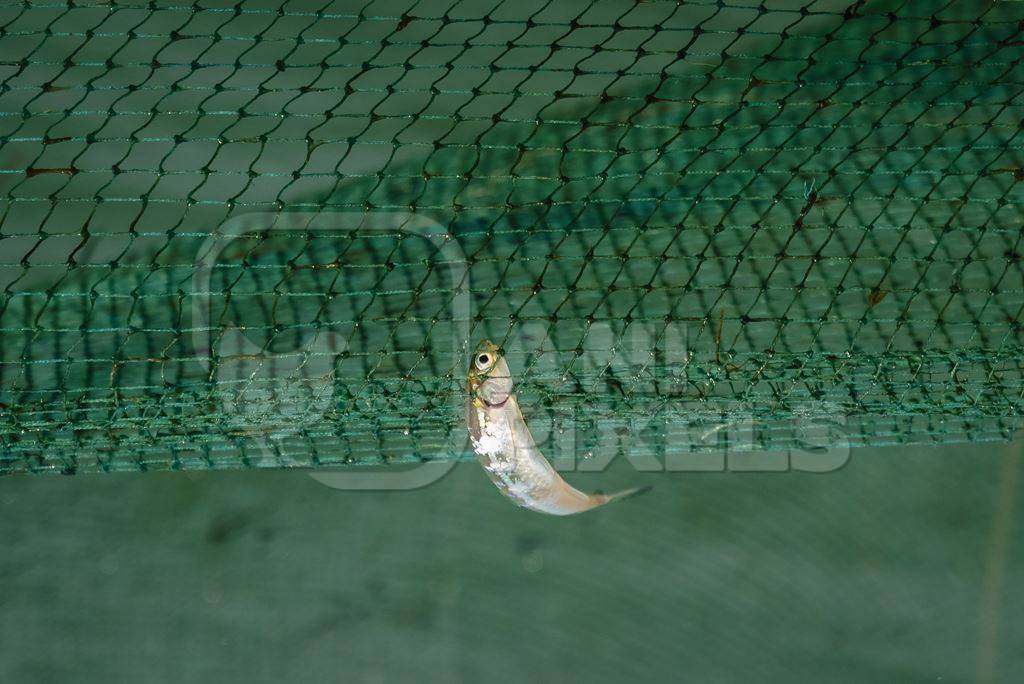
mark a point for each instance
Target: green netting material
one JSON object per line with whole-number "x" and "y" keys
{"x": 264, "y": 233}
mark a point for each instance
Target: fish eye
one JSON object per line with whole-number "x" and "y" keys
{"x": 483, "y": 361}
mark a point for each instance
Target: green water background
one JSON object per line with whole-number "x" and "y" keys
{"x": 903, "y": 566}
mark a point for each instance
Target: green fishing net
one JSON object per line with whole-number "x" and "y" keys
{"x": 269, "y": 233}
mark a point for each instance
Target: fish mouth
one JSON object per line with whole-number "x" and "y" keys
{"x": 495, "y": 405}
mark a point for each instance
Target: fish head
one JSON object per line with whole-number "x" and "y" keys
{"x": 490, "y": 380}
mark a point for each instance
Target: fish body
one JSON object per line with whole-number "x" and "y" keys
{"x": 505, "y": 447}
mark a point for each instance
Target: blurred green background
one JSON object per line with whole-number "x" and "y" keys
{"x": 902, "y": 566}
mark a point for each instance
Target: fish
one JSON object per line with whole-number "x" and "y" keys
{"x": 507, "y": 450}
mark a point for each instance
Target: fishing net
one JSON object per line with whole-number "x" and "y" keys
{"x": 266, "y": 233}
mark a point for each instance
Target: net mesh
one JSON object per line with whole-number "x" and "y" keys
{"x": 268, "y": 233}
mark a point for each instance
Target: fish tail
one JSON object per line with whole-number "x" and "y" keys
{"x": 624, "y": 494}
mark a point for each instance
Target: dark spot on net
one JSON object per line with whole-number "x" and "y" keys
{"x": 403, "y": 22}
{"x": 876, "y": 295}
{"x": 1015, "y": 171}
{"x": 31, "y": 172}
{"x": 613, "y": 384}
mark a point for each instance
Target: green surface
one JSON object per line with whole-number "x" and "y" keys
{"x": 903, "y": 566}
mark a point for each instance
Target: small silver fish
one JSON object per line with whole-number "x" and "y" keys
{"x": 506, "y": 449}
